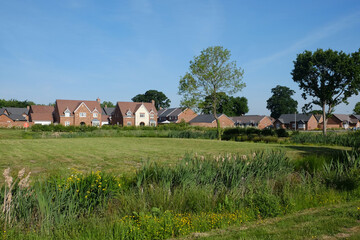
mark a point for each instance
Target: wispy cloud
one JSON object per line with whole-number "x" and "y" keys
{"x": 313, "y": 37}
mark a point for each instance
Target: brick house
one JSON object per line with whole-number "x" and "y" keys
{"x": 135, "y": 114}
{"x": 77, "y": 112}
{"x": 296, "y": 121}
{"x": 13, "y": 117}
{"x": 356, "y": 118}
{"x": 43, "y": 115}
{"x": 208, "y": 120}
{"x": 175, "y": 115}
{"x": 342, "y": 121}
{"x": 258, "y": 121}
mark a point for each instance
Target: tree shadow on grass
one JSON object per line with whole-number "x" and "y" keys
{"x": 318, "y": 150}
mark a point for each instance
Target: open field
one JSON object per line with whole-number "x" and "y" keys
{"x": 121, "y": 155}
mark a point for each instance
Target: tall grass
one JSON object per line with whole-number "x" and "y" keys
{"x": 199, "y": 193}
{"x": 350, "y": 139}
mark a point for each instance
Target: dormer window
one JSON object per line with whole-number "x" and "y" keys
{"x": 82, "y": 114}
{"x": 95, "y": 115}
{"x": 67, "y": 113}
{"x": 128, "y": 114}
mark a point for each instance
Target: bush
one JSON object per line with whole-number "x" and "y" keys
{"x": 282, "y": 132}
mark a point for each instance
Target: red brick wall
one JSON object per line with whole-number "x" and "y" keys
{"x": 5, "y": 121}
{"x": 312, "y": 123}
{"x": 265, "y": 122}
{"x": 187, "y": 115}
{"x": 75, "y": 120}
{"x": 224, "y": 122}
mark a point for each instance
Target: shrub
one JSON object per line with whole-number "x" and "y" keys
{"x": 282, "y": 132}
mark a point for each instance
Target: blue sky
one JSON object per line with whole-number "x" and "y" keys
{"x": 117, "y": 49}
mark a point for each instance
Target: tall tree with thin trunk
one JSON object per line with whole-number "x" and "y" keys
{"x": 327, "y": 77}
{"x": 210, "y": 73}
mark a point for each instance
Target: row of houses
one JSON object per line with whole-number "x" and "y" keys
{"x": 90, "y": 113}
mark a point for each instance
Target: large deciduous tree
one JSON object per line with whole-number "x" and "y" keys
{"x": 327, "y": 77}
{"x": 228, "y": 105}
{"x": 357, "y": 108}
{"x": 210, "y": 73}
{"x": 161, "y": 100}
{"x": 281, "y": 101}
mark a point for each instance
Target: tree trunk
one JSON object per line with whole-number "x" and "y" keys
{"x": 324, "y": 118}
{"x": 217, "y": 121}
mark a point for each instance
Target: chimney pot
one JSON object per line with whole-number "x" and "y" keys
{"x": 98, "y": 100}
{"x": 153, "y": 102}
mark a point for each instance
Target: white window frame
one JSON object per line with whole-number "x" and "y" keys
{"x": 95, "y": 115}
{"x": 67, "y": 114}
{"x": 82, "y": 114}
{"x": 67, "y": 123}
{"x": 128, "y": 114}
{"x": 152, "y": 115}
{"x": 128, "y": 123}
{"x": 293, "y": 125}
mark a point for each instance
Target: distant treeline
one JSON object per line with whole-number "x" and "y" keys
{"x": 15, "y": 103}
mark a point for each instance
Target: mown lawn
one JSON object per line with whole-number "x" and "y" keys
{"x": 341, "y": 221}
{"x": 123, "y": 154}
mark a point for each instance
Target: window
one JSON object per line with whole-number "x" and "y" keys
{"x": 95, "y": 115}
{"x": 129, "y": 123}
{"x": 67, "y": 123}
{"x": 96, "y": 123}
{"x": 278, "y": 125}
{"x": 294, "y": 125}
{"x": 128, "y": 114}
{"x": 151, "y": 115}
{"x": 67, "y": 114}
{"x": 82, "y": 114}
{"x": 302, "y": 126}
{"x": 142, "y": 115}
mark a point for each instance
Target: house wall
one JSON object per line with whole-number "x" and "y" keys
{"x": 312, "y": 123}
{"x": 224, "y": 122}
{"x": 278, "y": 123}
{"x": 7, "y": 122}
{"x": 145, "y": 119}
{"x": 265, "y": 122}
{"x": 333, "y": 122}
{"x": 87, "y": 119}
{"x": 187, "y": 115}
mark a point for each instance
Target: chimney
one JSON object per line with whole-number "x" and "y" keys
{"x": 153, "y": 102}
{"x": 98, "y": 100}
{"x": 28, "y": 107}
{"x": 105, "y": 106}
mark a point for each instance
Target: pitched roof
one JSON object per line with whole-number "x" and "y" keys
{"x": 161, "y": 111}
{"x": 17, "y": 117}
{"x": 205, "y": 118}
{"x": 62, "y": 105}
{"x": 357, "y": 116}
{"x": 248, "y": 118}
{"x": 44, "y": 116}
{"x": 41, "y": 109}
{"x": 108, "y": 111}
{"x": 288, "y": 118}
{"x": 344, "y": 118}
{"x": 17, "y": 111}
{"x": 134, "y": 106}
{"x": 2, "y": 111}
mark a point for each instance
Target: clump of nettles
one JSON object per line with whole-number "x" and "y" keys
{"x": 22, "y": 183}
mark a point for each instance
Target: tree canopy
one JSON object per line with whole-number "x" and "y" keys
{"x": 107, "y": 104}
{"x": 210, "y": 73}
{"x": 15, "y": 103}
{"x": 281, "y": 101}
{"x": 228, "y": 105}
{"x": 327, "y": 77}
{"x": 161, "y": 100}
{"x": 357, "y": 108}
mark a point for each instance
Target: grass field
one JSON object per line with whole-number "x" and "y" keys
{"x": 121, "y": 155}
{"x": 340, "y": 221}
